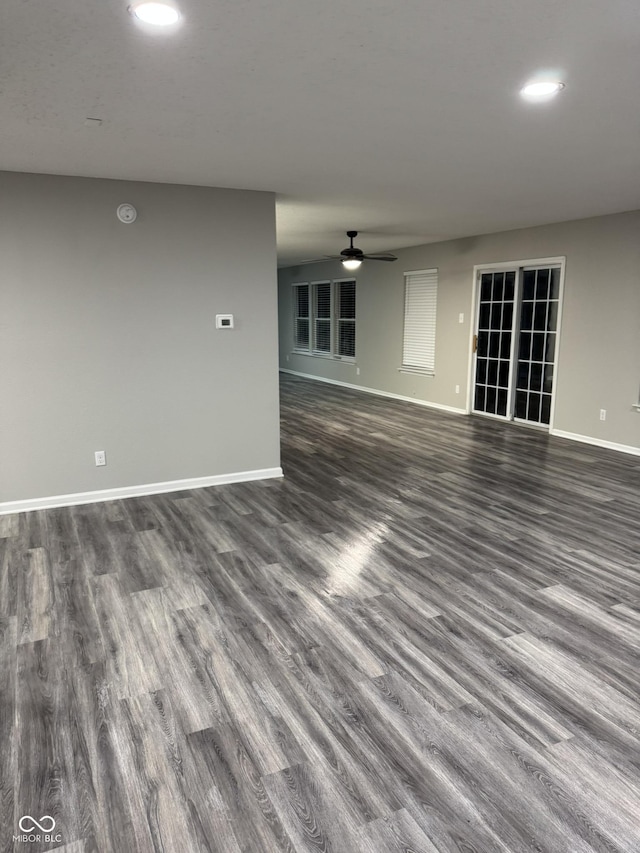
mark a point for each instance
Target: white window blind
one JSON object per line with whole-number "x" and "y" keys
{"x": 301, "y": 316}
{"x": 324, "y": 318}
{"x": 346, "y": 305}
{"x": 322, "y": 314}
{"x": 419, "y": 340}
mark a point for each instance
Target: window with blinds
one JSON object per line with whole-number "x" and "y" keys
{"x": 419, "y": 339}
{"x": 324, "y": 318}
{"x": 346, "y": 319}
{"x": 301, "y": 316}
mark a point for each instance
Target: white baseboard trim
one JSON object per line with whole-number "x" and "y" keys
{"x": 137, "y": 491}
{"x": 377, "y": 393}
{"x": 597, "y": 442}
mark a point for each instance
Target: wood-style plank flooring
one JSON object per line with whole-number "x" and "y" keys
{"x": 424, "y": 638}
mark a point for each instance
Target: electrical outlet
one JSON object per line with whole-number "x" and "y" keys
{"x": 457, "y": 389}
{"x": 287, "y": 357}
{"x": 603, "y": 414}
{"x": 101, "y": 457}
{"x": 461, "y": 318}
{"x": 357, "y": 371}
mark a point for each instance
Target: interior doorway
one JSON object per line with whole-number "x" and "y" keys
{"x": 515, "y": 342}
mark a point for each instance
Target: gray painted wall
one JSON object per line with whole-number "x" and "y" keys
{"x": 599, "y": 357}
{"x": 108, "y": 339}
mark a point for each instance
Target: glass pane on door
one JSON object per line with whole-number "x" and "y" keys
{"x": 495, "y": 331}
{"x": 537, "y": 343}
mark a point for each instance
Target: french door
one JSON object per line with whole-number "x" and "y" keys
{"x": 515, "y": 342}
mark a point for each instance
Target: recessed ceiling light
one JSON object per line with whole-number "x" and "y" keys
{"x": 541, "y": 90}
{"x": 159, "y": 14}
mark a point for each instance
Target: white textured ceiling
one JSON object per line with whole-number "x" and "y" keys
{"x": 401, "y": 120}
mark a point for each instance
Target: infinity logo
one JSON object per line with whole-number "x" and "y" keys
{"x": 29, "y": 827}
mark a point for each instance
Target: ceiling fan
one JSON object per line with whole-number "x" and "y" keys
{"x": 352, "y": 257}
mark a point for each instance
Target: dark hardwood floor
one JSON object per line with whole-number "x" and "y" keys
{"x": 425, "y": 638}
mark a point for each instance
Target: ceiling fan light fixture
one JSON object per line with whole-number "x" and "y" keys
{"x": 351, "y": 263}
{"x": 154, "y": 12}
{"x": 541, "y": 90}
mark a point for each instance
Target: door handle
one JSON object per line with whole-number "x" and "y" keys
{"x": 475, "y": 343}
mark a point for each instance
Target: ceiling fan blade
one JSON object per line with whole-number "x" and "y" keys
{"x": 318, "y": 260}
{"x": 348, "y": 254}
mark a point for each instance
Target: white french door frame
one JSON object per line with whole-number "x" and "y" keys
{"x": 503, "y": 266}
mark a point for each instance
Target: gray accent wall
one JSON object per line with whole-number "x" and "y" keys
{"x": 599, "y": 357}
{"x": 108, "y": 339}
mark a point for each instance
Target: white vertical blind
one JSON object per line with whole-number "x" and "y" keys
{"x": 419, "y": 340}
